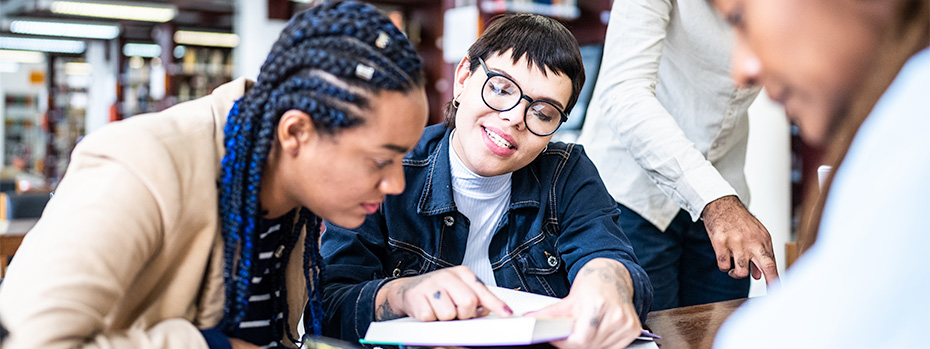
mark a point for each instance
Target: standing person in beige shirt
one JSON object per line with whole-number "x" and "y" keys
{"x": 154, "y": 237}
{"x": 667, "y": 129}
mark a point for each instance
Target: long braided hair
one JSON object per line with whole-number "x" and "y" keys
{"x": 328, "y": 62}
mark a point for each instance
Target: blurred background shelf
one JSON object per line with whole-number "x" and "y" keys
{"x": 566, "y": 10}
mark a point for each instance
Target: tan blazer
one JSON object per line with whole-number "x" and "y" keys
{"x": 128, "y": 254}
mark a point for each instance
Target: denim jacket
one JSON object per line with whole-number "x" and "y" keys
{"x": 560, "y": 217}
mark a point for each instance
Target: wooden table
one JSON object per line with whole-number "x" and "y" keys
{"x": 690, "y": 327}
{"x": 9, "y": 241}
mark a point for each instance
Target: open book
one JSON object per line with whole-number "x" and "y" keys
{"x": 484, "y": 331}
{"x": 488, "y": 330}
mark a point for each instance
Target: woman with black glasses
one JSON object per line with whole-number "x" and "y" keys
{"x": 490, "y": 201}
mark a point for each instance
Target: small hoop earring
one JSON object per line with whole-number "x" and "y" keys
{"x": 545, "y": 148}
{"x": 455, "y": 102}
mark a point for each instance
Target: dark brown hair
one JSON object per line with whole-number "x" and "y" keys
{"x": 545, "y": 42}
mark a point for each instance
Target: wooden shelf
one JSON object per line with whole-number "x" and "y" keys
{"x": 562, "y": 11}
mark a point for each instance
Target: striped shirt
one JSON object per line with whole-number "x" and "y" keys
{"x": 256, "y": 327}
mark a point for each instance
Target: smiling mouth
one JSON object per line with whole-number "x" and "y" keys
{"x": 497, "y": 139}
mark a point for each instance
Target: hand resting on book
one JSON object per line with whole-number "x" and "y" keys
{"x": 601, "y": 301}
{"x": 445, "y": 294}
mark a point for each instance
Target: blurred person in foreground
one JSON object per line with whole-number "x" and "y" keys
{"x": 198, "y": 226}
{"x": 855, "y": 76}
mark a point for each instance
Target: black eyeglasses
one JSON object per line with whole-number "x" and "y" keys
{"x": 501, "y": 93}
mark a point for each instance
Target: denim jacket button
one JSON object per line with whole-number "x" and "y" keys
{"x": 553, "y": 261}
{"x": 448, "y": 221}
{"x": 396, "y": 272}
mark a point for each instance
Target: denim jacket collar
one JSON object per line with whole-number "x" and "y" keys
{"x": 437, "y": 198}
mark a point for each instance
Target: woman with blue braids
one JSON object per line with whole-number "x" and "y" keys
{"x": 199, "y": 226}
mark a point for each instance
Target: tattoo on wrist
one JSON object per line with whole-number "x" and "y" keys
{"x": 610, "y": 274}
{"x": 386, "y": 312}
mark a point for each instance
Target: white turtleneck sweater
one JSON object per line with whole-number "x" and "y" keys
{"x": 484, "y": 201}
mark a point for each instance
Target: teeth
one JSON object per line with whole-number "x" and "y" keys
{"x": 498, "y": 139}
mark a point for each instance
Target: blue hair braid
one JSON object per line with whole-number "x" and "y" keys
{"x": 314, "y": 67}
{"x": 314, "y": 261}
{"x": 312, "y": 272}
{"x": 312, "y": 258}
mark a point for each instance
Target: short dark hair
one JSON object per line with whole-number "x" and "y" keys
{"x": 545, "y": 42}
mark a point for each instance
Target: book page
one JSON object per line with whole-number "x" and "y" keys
{"x": 522, "y": 302}
{"x": 488, "y": 330}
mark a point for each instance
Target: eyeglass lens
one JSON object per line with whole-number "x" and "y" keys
{"x": 502, "y": 94}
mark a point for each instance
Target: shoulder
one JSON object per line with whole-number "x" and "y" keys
{"x": 172, "y": 152}
{"x": 565, "y": 165}
{"x": 184, "y": 128}
{"x": 189, "y": 129}
{"x": 178, "y": 128}
{"x": 562, "y": 154}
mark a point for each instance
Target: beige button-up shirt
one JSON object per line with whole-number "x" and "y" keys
{"x": 667, "y": 126}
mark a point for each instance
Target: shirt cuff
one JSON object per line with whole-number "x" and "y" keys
{"x": 365, "y": 308}
{"x": 699, "y": 187}
{"x": 216, "y": 339}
